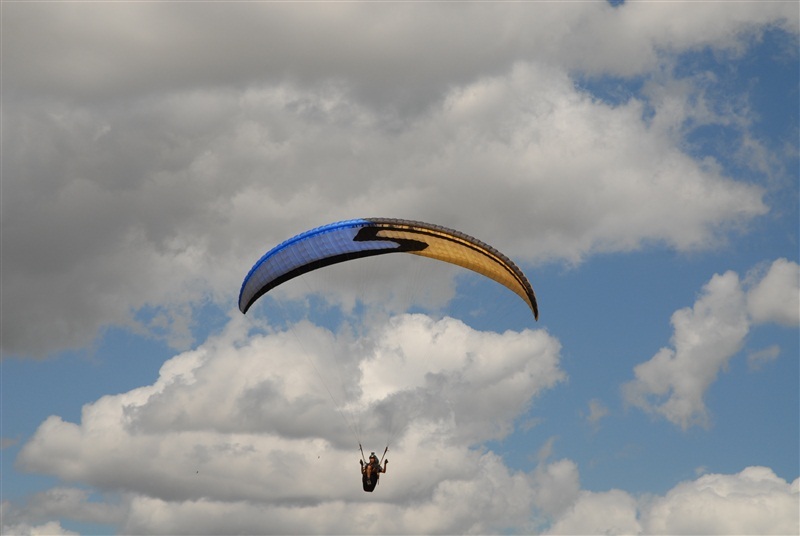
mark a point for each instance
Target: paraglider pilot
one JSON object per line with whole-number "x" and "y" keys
{"x": 371, "y": 472}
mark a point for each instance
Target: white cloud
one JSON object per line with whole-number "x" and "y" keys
{"x": 555, "y": 486}
{"x": 486, "y": 498}
{"x": 674, "y": 381}
{"x": 188, "y": 474}
{"x": 482, "y": 374}
{"x": 248, "y": 420}
{"x": 608, "y": 512}
{"x": 776, "y": 296}
{"x": 706, "y": 336}
{"x": 50, "y": 528}
{"x": 596, "y": 412}
{"x": 23, "y": 522}
{"x": 754, "y": 501}
{"x": 756, "y": 360}
{"x": 454, "y": 506}
{"x": 61, "y": 503}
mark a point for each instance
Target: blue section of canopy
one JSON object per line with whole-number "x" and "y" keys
{"x": 301, "y": 252}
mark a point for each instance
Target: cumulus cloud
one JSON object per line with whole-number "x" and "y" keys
{"x": 555, "y": 486}
{"x": 454, "y": 506}
{"x": 242, "y": 435}
{"x": 59, "y": 503}
{"x": 674, "y": 381}
{"x": 596, "y": 411}
{"x": 776, "y": 296}
{"x": 468, "y": 491}
{"x": 608, "y": 512}
{"x": 754, "y": 501}
{"x": 50, "y": 528}
{"x": 706, "y": 336}
{"x": 249, "y": 425}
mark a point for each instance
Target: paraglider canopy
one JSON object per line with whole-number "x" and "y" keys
{"x": 353, "y": 239}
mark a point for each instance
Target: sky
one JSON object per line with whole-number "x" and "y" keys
{"x": 637, "y": 160}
